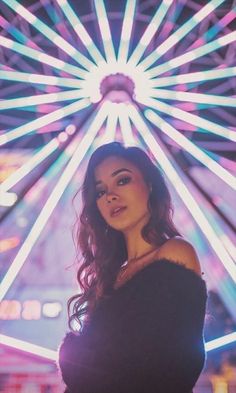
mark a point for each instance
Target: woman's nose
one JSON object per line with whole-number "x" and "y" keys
{"x": 111, "y": 197}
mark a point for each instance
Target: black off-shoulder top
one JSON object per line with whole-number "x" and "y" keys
{"x": 146, "y": 338}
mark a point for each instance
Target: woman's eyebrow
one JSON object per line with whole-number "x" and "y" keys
{"x": 114, "y": 174}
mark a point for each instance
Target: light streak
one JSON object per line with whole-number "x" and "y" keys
{"x": 192, "y": 77}
{"x": 220, "y": 342}
{"x": 126, "y": 31}
{"x": 191, "y": 148}
{"x": 112, "y": 119}
{"x": 7, "y": 198}
{"x": 52, "y": 201}
{"x": 184, "y": 193}
{"x": 49, "y": 33}
{"x": 125, "y": 125}
{"x": 197, "y": 121}
{"x": 49, "y": 354}
{"x": 42, "y": 57}
{"x": 43, "y": 121}
{"x": 209, "y": 99}
{"x": 180, "y": 33}
{"x": 42, "y": 99}
{"x": 105, "y": 30}
{"x": 151, "y": 29}
{"x": 191, "y": 55}
{"x": 82, "y": 33}
{"x": 25, "y": 346}
{"x": 26, "y": 168}
{"x": 40, "y": 79}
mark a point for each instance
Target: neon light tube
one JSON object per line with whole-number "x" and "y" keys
{"x": 209, "y": 99}
{"x": 220, "y": 342}
{"x": 82, "y": 33}
{"x": 28, "y": 347}
{"x": 42, "y": 57}
{"x": 186, "y": 196}
{"x": 180, "y": 33}
{"x": 7, "y": 198}
{"x": 214, "y": 30}
{"x": 197, "y": 121}
{"x": 40, "y": 79}
{"x": 192, "y": 55}
{"x": 126, "y": 31}
{"x": 105, "y": 30}
{"x": 26, "y": 168}
{"x": 52, "y": 201}
{"x": 125, "y": 125}
{"x": 42, "y": 99}
{"x": 191, "y": 148}
{"x": 151, "y": 29}
{"x": 53, "y": 355}
{"x": 193, "y": 77}
{"x": 49, "y": 33}
{"x": 43, "y": 121}
{"x": 110, "y": 132}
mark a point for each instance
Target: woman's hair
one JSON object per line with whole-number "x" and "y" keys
{"x": 103, "y": 248}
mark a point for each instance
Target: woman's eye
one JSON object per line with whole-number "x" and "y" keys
{"x": 99, "y": 194}
{"x": 124, "y": 180}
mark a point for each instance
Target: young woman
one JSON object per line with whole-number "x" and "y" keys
{"x": 143, "y": 300}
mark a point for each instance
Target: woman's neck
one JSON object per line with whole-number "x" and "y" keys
{"x": 137, "y": 247}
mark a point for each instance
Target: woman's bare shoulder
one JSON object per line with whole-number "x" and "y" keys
{"x": 180, "y": 250}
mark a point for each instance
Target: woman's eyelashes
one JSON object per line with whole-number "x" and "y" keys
{"x": 122, "y": 181}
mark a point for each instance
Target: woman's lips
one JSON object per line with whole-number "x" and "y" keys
{"x": 118, "y": 212}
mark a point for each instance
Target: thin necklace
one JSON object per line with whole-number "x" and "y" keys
{"x": 137, "y": 259}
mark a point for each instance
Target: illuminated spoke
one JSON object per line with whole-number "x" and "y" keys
{"x": 43, "y": 121}
{"x": 42, "y": 57}
{"x": 192, "y": 77}
{"x": 197, "y": 121}
{"x": 191, "y": 204}
{"x": 112, "y": 119}
{"x": 82, "y": 33}
{"x": 49, "y": 33}
{"x": 150, "y": 31}
{"x": 191, "y": 148}
{"x": 105, "y": 30}
{"x": 39, "y": 79}
{"x": 42, "y": 99}
{"x": 17, "y": 34}
{"x": 126, "y": 31}
{"x": 214, "y": 30}
{"x": 52, "y": 201}
{"x": 27, "y": 347}
{"x": 125, "y": 126}
{"x": 192, "y": 55}
{"x": 198, "y": 98}
{"x": 25, "y": 169}
{"x": 220, "y": 341}
{"x": 180, "y": 33}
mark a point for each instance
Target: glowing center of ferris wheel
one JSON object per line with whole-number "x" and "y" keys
{"x": 116, "y": 85}
{"x": 109, "y": 82}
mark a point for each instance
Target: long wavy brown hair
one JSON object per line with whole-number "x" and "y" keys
{"x": 103, "y": 248}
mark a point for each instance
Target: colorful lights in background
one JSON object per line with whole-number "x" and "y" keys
{"x": 73, "y": 78}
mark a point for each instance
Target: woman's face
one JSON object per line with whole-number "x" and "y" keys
{"x": 119, "y": 183}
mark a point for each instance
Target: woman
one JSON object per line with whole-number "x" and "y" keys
{"x": 143, "y": 299}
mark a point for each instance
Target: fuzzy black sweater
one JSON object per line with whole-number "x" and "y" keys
{"x": 146, "y": 338}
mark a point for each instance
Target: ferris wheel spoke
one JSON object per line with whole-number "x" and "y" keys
{"x": 192, "y": 55}
{"x": 42, "y": 57}
{"x": 43, "y": 121}
{"x": 49, "y": 33}
{"x": 81, "y": 31}
{"x": 180, "y": 33}
{"x": 197, "y": 121}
